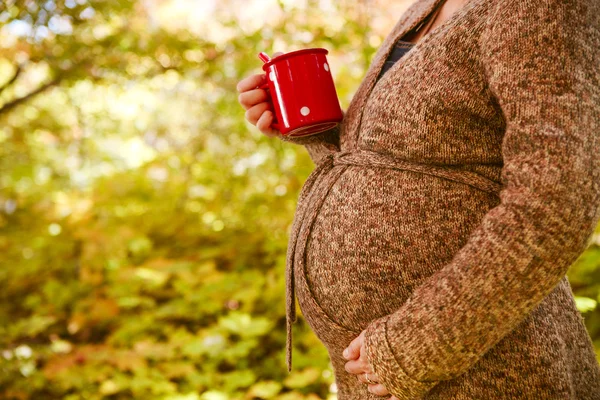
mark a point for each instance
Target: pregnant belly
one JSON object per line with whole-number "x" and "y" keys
{"x": 379, "y": 234}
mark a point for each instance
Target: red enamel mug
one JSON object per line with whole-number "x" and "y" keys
{"x": 303, "y": 93}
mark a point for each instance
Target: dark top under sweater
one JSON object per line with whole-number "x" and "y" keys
{"x": 400, "y": 48}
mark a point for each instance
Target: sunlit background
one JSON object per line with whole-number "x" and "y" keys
{"x": 143, "y": 221}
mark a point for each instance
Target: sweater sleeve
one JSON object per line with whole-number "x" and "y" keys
{"x": 541, "y": 59}
{"x": 320, "y": 144}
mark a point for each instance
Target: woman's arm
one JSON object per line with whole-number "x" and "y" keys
{"x": 542, "y": 61}
{"x": 318, "y": 145}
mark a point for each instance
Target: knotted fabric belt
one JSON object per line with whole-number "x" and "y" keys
{"x": 314, "y": 192}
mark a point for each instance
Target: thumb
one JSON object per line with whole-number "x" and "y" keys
{"x": 352, "y": 352}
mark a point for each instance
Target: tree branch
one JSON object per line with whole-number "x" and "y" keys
{"x": 16, "y": 74}
{"x": 12, "y": 104}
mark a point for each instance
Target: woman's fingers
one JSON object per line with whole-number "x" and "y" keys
{"x": 257, "y": 102}
{"x": 359, "y": 365}
{"x": 352, "y": 352}
{"x": 362, "y": 378}
{"x": 254, "y": 112}
{"x": 251, "y": 82}
{"x": 378, "y": 389}
{"x": 252, "y": 97}
{"x": 264, "y": 122}
{"x": 356, "y": 367}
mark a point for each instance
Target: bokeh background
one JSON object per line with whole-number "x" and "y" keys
{"x": 143, "y": 221}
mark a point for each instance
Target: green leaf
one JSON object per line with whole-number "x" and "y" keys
{"x": 585, "y": 304}
{"x": 265, "y": 389}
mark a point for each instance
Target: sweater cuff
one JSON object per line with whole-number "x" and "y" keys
{"x": 318, "y": 145}
{"x": 381, "y": 359}
{"x": 328, "y": 136}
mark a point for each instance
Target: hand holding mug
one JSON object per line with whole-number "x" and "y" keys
{"x": 295, "y": 97}
{"x": 257, "y": 102}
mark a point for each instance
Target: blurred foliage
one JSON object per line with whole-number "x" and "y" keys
{"x": 143, "y": 222}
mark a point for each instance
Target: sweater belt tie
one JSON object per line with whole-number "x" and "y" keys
{"x": 309, "y": 204}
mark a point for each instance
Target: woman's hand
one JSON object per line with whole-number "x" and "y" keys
{"x": 355, "y": 352}
{"x": 257, "y": 102}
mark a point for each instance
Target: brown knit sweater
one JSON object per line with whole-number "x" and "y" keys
{"x": 444, "y": 212}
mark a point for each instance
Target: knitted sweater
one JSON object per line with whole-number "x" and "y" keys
{"x": 445, "y": 210}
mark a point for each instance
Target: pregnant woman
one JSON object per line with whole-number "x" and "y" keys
{"x": 433, "y": 238}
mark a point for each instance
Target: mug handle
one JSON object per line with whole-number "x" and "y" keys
{"x": 274, "y": 124}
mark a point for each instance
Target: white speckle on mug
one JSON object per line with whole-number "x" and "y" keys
{"x": 326, "y": 67}
{"x": 305, "y": 111}
{"x": 272, "y": 76}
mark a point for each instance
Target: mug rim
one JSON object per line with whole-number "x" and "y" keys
{"x": 293, "y": 53}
